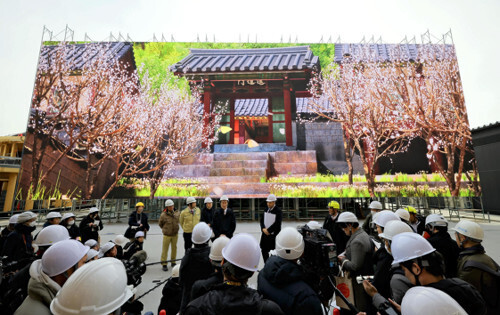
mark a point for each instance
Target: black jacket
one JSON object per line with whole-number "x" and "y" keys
{"x": 207, "y": 215}
{"x": 382, "y": 276}
{"x": 171, "y": 297}
{"x": 201, "y": 287}
{"x": 447, "y": 247}
{"x": 226, "y": 299}
{"x": 18, "y": 244}
{"x": 131, "y": 248}
{"x": 275, "y": 228}
{"x": 136, "y": 219}
{"x": 224, "y": 223}
{"x": 420, "y": 226}
{"x": 282, "y": 281}
{"x": 73, "y": 230}
{"x": 465, "y": 294}
{"x": 195, "y": 265}
{"x": 338, "y": 236}
{"x": 3, "y": 236}
{"x": 90, "y": 232}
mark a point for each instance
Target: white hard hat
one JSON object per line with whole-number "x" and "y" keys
{"x": 61, "y": 256}
{"x": 91, "y": 254}
{"x": 93, "y": 209}
{"x": 101, "y": 286}
{"x": 403, "y": 214}
{"x": 13, "y": 219}
{"x": 243, "y": 251}
{"x": 224, "y": 197}
{"x": 209, "y": 200}
{"x": 393, "y": 228}
{"x": 53, "y": 215}
{"x": 271, "y": 198}
{"x": 375, "y": 205}
{"x": 25, "y": 216}
{"x": 408, "y": 246}
{"x": 469, "y": 229}
{"x": 67, "y": 216}
{"x": 217, "y": 246}
{"x": 139, "y": 234}
{"x": 190, "y": 200}
{"x": 169, "y": 203}
{"x": 429, "y": 301}
{"x": 175, "y": 271}
{"x": 289, "y": 244}
{"x": 91, "y": 243}
{"x": 385, "y": 216}
{"x": 201, "y": 233}
{"x": 105, "y": 248}
{"x": 314, "y": 225}
{"x": 119, "y": 240}
{"x": 436, "y": 220}
{"x": 347, "y": 217}
{"x": 51, "y": 235}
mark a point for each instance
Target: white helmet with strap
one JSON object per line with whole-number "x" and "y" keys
{"x": 289, "y": 244}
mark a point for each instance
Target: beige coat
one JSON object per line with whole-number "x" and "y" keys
{"x": 169, "y": 222}
{"x": 188, "y": 220}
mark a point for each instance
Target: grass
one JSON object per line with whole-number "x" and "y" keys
{"x": 358, "y": 178}
{"x": 174, "y": 190}
{"x": 42, "y": 192}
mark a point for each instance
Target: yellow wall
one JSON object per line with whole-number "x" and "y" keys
{"x": 10, "y": 146}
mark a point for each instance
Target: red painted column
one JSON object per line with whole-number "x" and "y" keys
{"x": 207, "y": 96}
{"x": 231, "y": 133}
{"x": 288, "y": 112}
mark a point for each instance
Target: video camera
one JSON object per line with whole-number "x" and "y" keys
{"x": 134, "y": 270}
{"x": 320, "y": 253}
{"x": 8, "y": 268}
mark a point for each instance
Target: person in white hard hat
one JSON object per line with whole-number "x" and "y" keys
{"x": 6, "y": 231}
{"x": 92, "y": 255}
{"x": 108, "y": 250}
{"x": 270, "y": 226}
{"x": 430, "y": 301}
{"x": 50, "y": 273}
{"x": 49, "y": 236}
{"x": 195, "y": 264}
{"x": 19, "y": 243}
{"x": 135, "y": 248}
{"x": 188, "y": 218}
{"x": 241, "y": 258}
{"x": 224, "y": 221}
{"x": 91, "y": 225}
{"x": 207, "y": 213}
{"x": 53, "y": 218}
{"x": 68, "y": 220}
{"x": 399, "y": 284}
{"x": 171, "y": 294}
{"x": 375, "y": 207}
{"x": 201, "y": 287}
{"x": 282, "y": 279}
{"x": 93, "y": 244}
{"x": 437, "y": 227}
{"x": 101, "y": 286}
{"x": 358, "y": 256}
{"x": 169, "y": 224}
{"x": 424, "y": 266}
{"x": 475, "y": 266}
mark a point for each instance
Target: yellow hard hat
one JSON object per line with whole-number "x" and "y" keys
{"x": 334, "y": 204}
{"x": 139, "y": 204}
{"x": 411, "y": 209}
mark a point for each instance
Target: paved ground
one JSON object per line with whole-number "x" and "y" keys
{"x": 153, "y": 247}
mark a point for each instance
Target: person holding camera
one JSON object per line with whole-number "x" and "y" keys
{"x": 330, "y": 224}
{"x": 282, "y": 279}
{"x": 270, "y": 225}
{"x": 357, "y": 259}
{"x": 137, "y": 221}
{"x": 424, "y": 266}
{"x": 91, "y": 225}
{"x": 169, "y": 224}
{"x": 224, "y": 221}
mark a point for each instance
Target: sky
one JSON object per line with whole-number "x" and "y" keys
{"x": 474, "y": 25}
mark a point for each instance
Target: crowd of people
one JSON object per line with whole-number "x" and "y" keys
{"x": 397, "y": 262}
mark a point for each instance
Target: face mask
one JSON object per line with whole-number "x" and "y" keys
{"x": 373, "y": 212}
{"x": 71, "y": 222}
{"x": 33, "y": 224}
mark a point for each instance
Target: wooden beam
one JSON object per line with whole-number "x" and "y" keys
{"x": 288, "y": 112}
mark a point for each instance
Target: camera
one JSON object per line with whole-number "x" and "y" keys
{"x": 134, "y": 270}
{"x": 387, "y": 309}
{"x": 320, "y": 253}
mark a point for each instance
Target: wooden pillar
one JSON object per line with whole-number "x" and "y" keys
{"x": 270, "y": 119}
{"x": 288, "y": 112}
{"x": 207, "y": 98}
{"x": 9, "y": 197}
{"x": 231, "y": 133}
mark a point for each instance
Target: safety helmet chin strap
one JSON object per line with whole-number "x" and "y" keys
{"x": 420, "y": 263}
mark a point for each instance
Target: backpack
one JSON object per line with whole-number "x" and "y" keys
{"x": 490, "y": 294}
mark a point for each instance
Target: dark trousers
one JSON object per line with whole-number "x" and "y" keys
{"x": 187, "y": 241}
{"x": 267, "y": 243}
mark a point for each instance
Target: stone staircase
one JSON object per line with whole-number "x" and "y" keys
{"x": 231, "y": 167}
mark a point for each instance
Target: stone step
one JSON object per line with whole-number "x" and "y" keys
{"x": 260, "y": 171}
{"x": 239, "y": 163}
{"x": 309, "y": 168}
{"x": 190, "y": 170}
{"x": 231, "y": 179}
{"x": 198, "y": 159}
{"x": 294, "y": 156}
{"x": 240, "y": 156}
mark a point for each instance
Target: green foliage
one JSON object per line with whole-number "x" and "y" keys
{"x": 174, "y": 190}
{"x": 42, "y": 192}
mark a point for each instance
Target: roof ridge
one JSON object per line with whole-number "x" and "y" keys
{"x": 237, "y": 51}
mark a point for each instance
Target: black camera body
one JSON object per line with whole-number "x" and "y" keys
{"x": 320, "y": 252}
{"x": 134, "y": 270}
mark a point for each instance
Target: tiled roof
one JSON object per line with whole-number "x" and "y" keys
{"x": 82, "y": 54}
{"x": 259, "y": 107}
{"x": 246, "y": 60}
